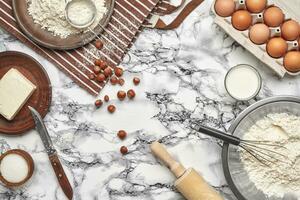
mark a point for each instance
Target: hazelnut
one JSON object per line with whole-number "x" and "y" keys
{"x": 118, "y": 72}
{"x": 121, "y": 95}
{"x": 98, "y": 103}
{"x": 123, "y": 150}
{"x": 96, "y": 69}
{"x": 92, "y": 76}
{"x": 130, "y": 94}
{"x": 108, "y": 72}
{"x": 136, "y": 81}
{"x": 98, "y": 62}
{"x": 101, "y": 78}
{"x": 103, "y": 65}
{"x": 111, "y": 108}
{"x": 98, "y": 44}
{"x": 121, "y": 81}
{"x": 122, "y": 134}
{"x": 106, "y": 98}
{"x": 113, "y": 80}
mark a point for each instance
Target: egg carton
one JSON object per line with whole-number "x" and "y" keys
{"x": 291, "y": 10}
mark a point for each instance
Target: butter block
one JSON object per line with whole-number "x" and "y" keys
{"x": 15, "y": 90}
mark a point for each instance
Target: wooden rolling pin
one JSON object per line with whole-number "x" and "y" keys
{"x": 189, "y": 183}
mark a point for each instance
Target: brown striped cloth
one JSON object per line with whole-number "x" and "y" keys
{"x": 124, "y": 26}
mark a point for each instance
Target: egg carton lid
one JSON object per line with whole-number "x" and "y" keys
{"x": 291, "y": 8}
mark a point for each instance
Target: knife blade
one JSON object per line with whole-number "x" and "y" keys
{"x": 52, "y": 154}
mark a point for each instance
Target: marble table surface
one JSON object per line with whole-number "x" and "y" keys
{"x": 182, "y": 74}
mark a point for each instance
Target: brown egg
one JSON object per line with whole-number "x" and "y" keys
{"x": 256, "y": 6}
{"x": 277, "y": 47}
{"x": 224, "y": 8}
{"x": 290, "y": 30}
{"x": 241, "y": 20}
{"x": 259, "y": 33}
{"x": 291, "y": 61}
{"x": 273, "y": 16}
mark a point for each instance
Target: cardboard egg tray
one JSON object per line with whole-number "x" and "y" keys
{"x": 291, "y": 10}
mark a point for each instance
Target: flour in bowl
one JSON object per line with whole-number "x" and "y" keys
{"x": 50, "y": 15}
{"x": 277, "y": 178}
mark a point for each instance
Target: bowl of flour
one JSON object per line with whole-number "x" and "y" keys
{"x": 275, "y": 119}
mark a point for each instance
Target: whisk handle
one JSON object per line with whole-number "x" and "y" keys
{"x": 219, "y": 134}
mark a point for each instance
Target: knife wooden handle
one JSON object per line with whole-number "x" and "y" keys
{"x": 61, "y": 176}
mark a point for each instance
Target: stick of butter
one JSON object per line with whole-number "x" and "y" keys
{"x": 15, "y": 90}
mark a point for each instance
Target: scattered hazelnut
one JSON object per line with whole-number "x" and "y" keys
{"x": 111, "y": 108}
{"x": 118, "y": 71}
{"x": 108, "y": 72}
{"x": 136, "y": 80}
{"x": 121, "y": 81}
{"x": 92, "y": 76}
{"x": 98, "y": 44}
{"x": 130, "y": 94}
{"x": 121, "y": 95}
{"x": 101, "y": 78}
{"x": 96, "y": 69}
{"x": 98, "y": 103}
{"x": 103, "y": 65}
{"x": 106, "y": 98}
{"x": 122, "y": 134}
{"x": 113, "y": 80}
{"x": 98, "y": 62}
{"x": 123, "y": 150}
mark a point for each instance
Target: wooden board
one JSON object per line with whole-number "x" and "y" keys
{"x": 47, "y": 39}
{"x": 40, "y": 99}
{"x": 290, "y": 9}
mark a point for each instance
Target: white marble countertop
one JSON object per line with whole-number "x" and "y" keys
{"x": 182, "y": 74}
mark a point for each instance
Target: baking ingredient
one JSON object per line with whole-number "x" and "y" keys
{"x": 273, "y": 16}
{"x": 136, "y": 81}
{"x": 15, "y": 90}
{"x": 113, "y": 80}
{"x": 277, "y": 47}
{"x": 91, "y": 76}
{"x": 122, "y": 134}
{"x": 98, "y": 103}
{"x": 242, "y": 82}
{"x": 103, "y": 65}
{"x": 279, "y": 177}
{"x": 101, "y": 78}
{"x": 121, "y": 95}
{"x": 108, "y": 72}
{"x": 256, "y": 6}
{"x": 98, "y": 62}
{"x": 291, "y": 61}
{"x": 131, "y": 94}
{"x": 121, "y": 81}
{"x": 106, "y": 98}
{"x": 97, "y": 69}
{"x": 118, "y": 71}
{"x": 241, "y": 20}
{"x": 290, "y": 30}
{"x": 111, "y": 108}
{"x": 259, "y": 33}
{"x": 50, "y": 15}
{"x": 124, "y": 150}
{"x": 224, "y": 8}
{"x": 99, "y": 44}
{"x": 80, "y": 12}
{"x": 14, "y": 168}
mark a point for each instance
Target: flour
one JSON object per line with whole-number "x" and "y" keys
{"x": 50, "y": 15}
{"x": 80, "y": 13}
{"x": 280, "y": 177}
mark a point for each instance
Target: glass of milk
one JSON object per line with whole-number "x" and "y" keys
{"x": 16, "y": 168}
{"x": 243, "y": 82}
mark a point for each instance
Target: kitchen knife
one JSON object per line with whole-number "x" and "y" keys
{"x": 57, "y": 167}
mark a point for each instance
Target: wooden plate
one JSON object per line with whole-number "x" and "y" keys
{"x": 47, "y": 39}
{"x": 40, "y": 99}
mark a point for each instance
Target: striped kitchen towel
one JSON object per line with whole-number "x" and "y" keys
{"x": 124, "y": 26}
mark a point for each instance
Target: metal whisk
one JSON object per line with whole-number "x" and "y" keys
{"x": 258, "y": 149}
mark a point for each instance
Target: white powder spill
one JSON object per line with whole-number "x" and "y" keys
{"x": 283, "y": 176}
{"x": 14, "y": 168}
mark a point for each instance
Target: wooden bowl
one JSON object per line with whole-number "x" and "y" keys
{"x": 30, "y": 164}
